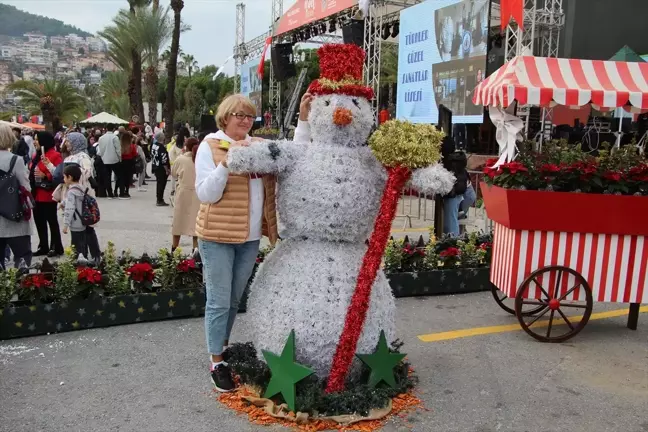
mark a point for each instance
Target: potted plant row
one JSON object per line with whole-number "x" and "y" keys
{"x": 564, "y": 189}
{"x": 449, "y": 265}
{"x": 72, "y": 294}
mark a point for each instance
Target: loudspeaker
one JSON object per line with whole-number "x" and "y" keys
{"x": 208, "y": 123}
{"x": 282, "y": 62}
{"x": 353, "y": 33}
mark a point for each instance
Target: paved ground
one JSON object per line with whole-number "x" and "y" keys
{"x": 152, "y": 376}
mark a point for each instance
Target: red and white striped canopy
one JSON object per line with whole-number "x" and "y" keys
{"x": 548, "y": 81}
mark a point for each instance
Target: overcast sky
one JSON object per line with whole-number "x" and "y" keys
{"x": 213, "y": 22}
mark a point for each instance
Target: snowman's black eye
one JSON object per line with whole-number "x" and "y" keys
{"x": 327, "y": 103}
{"x": 356, "y": 103}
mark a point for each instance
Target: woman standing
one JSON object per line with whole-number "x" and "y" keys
{"x": 140, "y": 166}
{"x": 235, "y": 209}
{"x": 16, "y": 235}
{"x": 186, "y": 201}
{"x": 129, "y": 153}
{"x": 41, "y": 176}
{"x": 77, "y": 146}
{"x": 161, "y": 167}
{"x": 175, "y": 149}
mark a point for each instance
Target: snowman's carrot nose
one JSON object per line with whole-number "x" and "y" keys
{"x": 342, "y": 116}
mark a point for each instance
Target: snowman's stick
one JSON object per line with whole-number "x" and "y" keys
{"x": 357, "y": 312}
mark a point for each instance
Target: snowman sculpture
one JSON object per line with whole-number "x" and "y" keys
{"x": 328, "y": 195}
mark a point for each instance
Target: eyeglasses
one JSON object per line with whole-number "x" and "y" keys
{"x": 241, "y": 116}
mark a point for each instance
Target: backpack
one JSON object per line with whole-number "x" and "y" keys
{"x": 12, "y": 206}
{"x": 89, "y": 214}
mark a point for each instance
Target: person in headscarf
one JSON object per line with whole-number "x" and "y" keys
{"x": 76, "y": 145}
{"x": 41, "y": 176}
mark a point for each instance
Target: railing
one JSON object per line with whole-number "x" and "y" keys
{"x": 414, "y": 206}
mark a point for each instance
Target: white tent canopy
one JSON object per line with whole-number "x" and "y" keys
{"x": 104, "y": 118}
{"x": 12, "y": 125}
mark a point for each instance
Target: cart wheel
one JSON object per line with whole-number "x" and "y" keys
{"x": 508, "y": 304}
{"x": 567, "y": 317}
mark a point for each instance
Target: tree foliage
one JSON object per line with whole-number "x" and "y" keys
{"x": 15, "y": 22}
{"x": 66, "y": 101}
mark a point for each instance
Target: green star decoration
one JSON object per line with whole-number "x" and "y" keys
{"x": 285, "y": 372}
{"x": 382, "y": 363}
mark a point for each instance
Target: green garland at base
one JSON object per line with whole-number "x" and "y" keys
{"x": 310, "y": 395}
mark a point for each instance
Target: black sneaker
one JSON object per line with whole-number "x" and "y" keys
{"x": 162, "y": 204}
{"x": 221, "y": 377}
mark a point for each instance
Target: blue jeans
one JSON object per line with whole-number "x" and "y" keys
{"x": 451, "y": 215}
{"x": 226, "y": 271}
{"x": 469, "y": 198}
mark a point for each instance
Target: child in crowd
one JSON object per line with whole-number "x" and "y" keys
{"x": 84, "y": 237}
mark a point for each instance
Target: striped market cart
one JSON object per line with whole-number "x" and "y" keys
{"x": 557, "y": 253}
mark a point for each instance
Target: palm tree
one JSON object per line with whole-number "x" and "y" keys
{"x": 137, "y": 106}
{"x": 93, "y": 97}
{"x": 151, "y": 30}
{"x": 119, "y": 42}
{"x": 172, "y": 66}
{"x": 189, "y": 63}
{"x": 52, "y": 98}
{"x": 115, "y": 96}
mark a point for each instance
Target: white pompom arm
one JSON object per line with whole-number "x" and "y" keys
{"x": 432, "y": 180}
{"x": 262, "y": 157}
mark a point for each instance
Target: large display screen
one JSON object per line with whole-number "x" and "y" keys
{"x": 441, "y": 59}
{"x": 252, "y": 85}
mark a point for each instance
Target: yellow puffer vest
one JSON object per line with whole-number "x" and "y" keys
{"x": 228, "y": 220}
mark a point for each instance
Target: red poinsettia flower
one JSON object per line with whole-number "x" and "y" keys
{"x": 141, "y": 272}
{"x": 491, "y": 172}
{"x": 450, "y": 252}
{"x": 485, "y": 246}
{"x": 550, "y": 168}
{"x": 612, "y": 176}
{"x": 37, "y": 280}
{"x": 88, "y": 275}
{"x": 515, "y": 167}
{"x": 187, "y": 265}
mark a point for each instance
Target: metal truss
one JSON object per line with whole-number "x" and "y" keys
{"x": 275, "y": 86}
{"x": 372, "y": 46}
{"x": 240, "y": 52}
{"x": 540, "y": 36}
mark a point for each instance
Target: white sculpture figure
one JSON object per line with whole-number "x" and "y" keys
{"x": 328, "y": 195}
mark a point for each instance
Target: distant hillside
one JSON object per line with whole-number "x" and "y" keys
{"x": 14, "y": 22}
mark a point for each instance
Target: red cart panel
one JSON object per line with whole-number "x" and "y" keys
{"x": 615, "y": 266}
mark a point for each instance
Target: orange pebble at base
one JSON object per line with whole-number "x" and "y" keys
{"x": 401, "y": 405}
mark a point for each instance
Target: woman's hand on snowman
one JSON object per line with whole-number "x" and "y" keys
{"x": 241, "y": 143}
{"x": 305, "y": 106}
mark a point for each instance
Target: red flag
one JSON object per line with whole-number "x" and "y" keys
{"x": 512, "y": 8}
{"x": 268, "y": 42}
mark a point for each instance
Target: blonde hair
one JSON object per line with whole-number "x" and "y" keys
{"x": 7, "y": 137}
{"x": 230, "y": 104}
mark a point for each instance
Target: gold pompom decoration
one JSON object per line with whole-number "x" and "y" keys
{"x": 401, "y": 143}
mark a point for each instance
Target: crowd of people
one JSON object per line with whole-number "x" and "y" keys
{"x": 59, "y": 174}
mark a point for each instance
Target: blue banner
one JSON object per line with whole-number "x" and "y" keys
{"x": 252, "y": 85}
{"x": 441, "y": 59}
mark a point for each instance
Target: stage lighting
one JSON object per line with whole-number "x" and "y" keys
{"x": 332, "y": 26}
{"x": 385, "y": 31}
{"x": 395, "y": 29}
{"x": 315, "y": 31}
{"x": 323, "y": 28}
{"x": 294, "y": 38}
{"x": 307, "y": 34}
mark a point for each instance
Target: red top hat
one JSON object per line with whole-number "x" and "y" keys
{"x": 341, "y": 68}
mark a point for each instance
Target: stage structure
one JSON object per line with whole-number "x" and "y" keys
{"x": 543, "y": 22}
